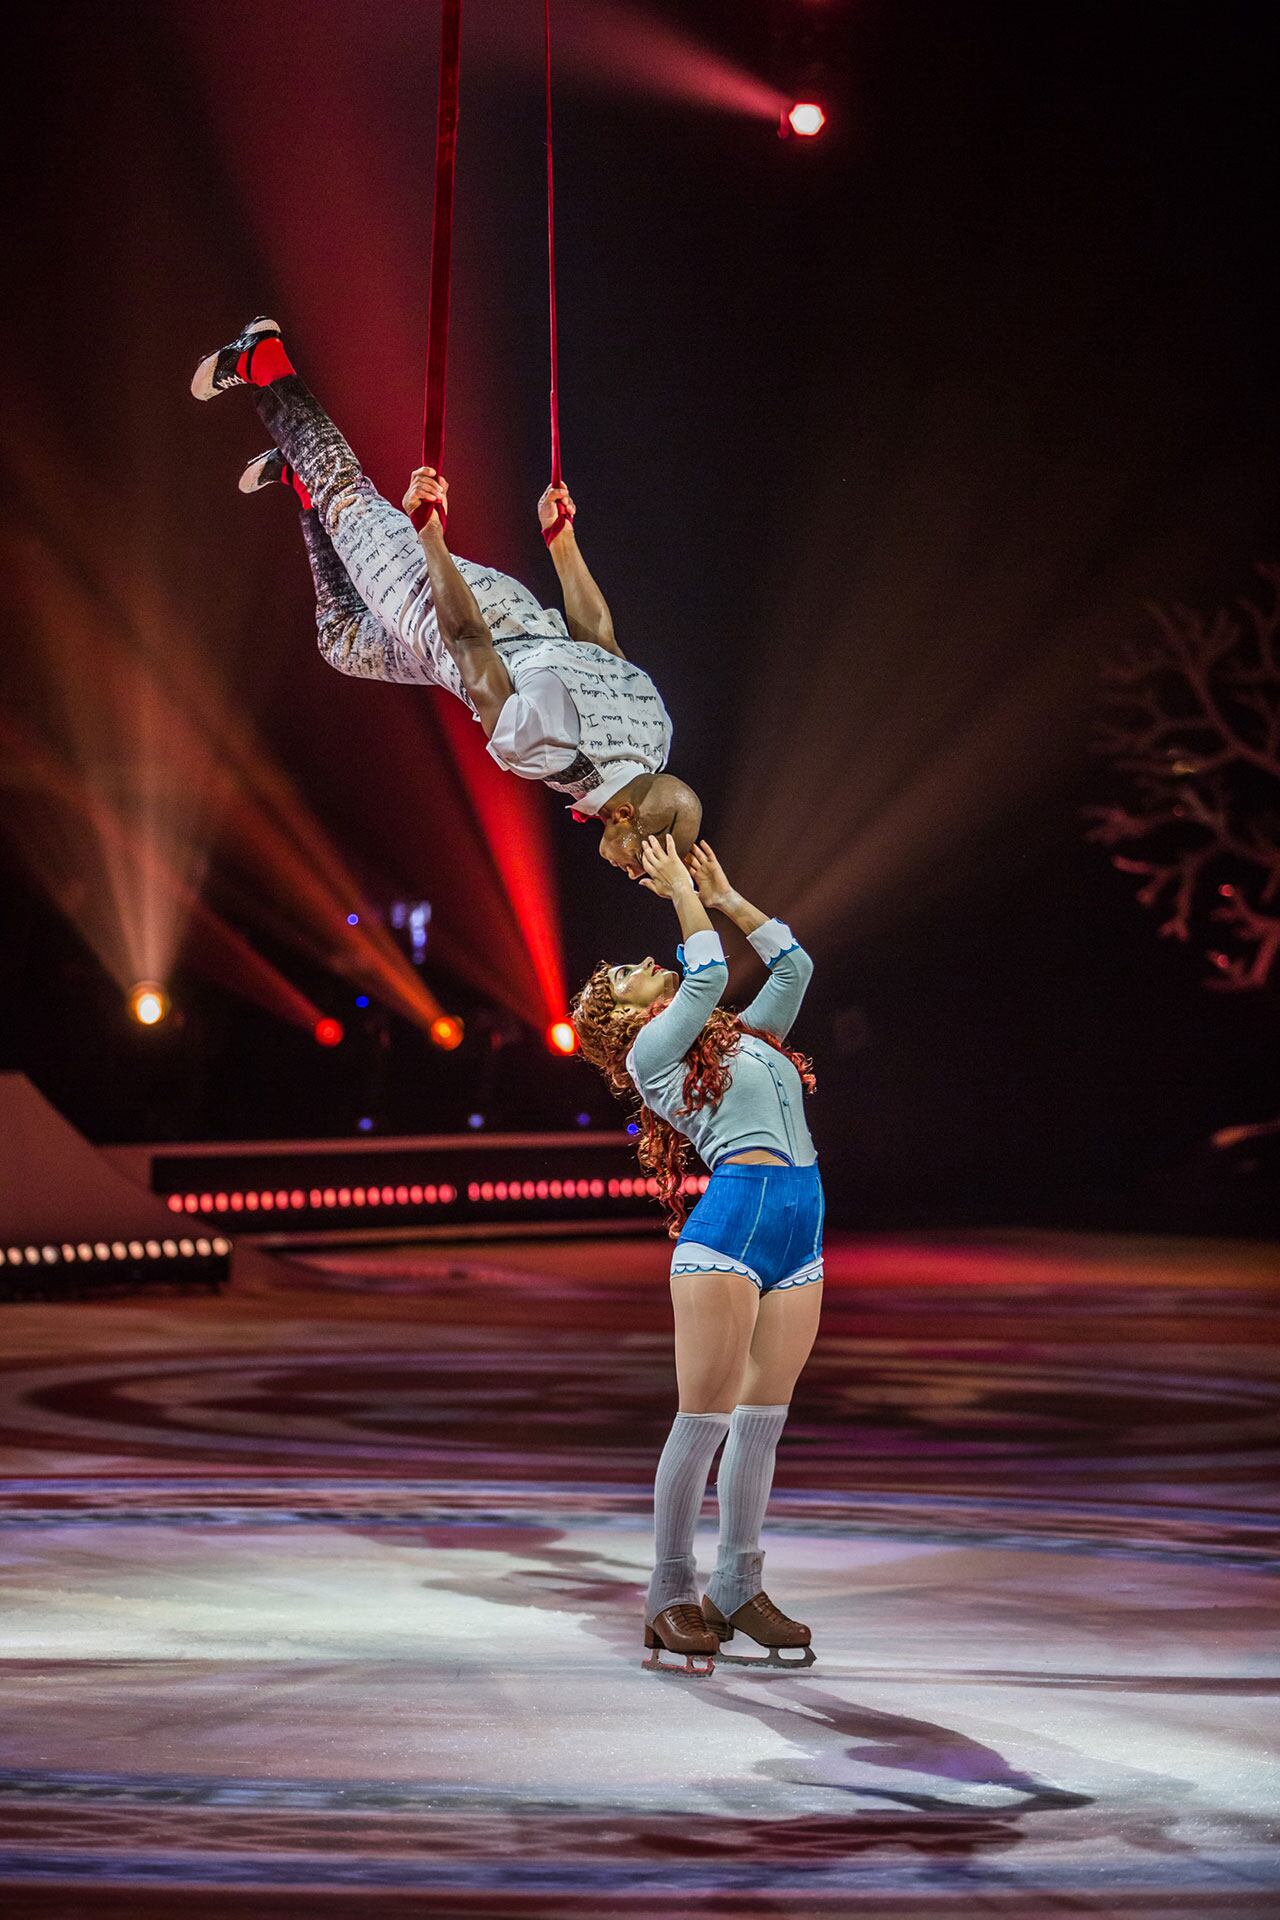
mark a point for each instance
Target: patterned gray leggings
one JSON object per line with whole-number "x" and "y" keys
{"x": 374, "y": 612}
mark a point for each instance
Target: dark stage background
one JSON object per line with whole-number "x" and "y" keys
{"x": 879, "y": 445}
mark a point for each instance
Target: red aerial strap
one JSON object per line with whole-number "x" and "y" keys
{"x": 442, "y": 254}
{"x": 557, "y": 478}
{"x": 441, "y": 244}
{"x": 562, "y": 519}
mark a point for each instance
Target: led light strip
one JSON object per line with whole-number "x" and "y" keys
{"x": 118, "y": 1250}
{"x": 300, "y": 1199}
{"x": 282, "y": 1199}
{"x": 597, "y": 1189}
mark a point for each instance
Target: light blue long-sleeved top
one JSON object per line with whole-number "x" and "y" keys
{"x": 764, "y": 1103}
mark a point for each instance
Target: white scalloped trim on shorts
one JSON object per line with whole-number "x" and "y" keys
{"x": 700, "y": 1259}
{"x": 801, "y": 1277}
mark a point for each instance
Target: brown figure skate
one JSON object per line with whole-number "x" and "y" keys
{"x": 681, "y": 1630}
{"x": 768, "y": 1626}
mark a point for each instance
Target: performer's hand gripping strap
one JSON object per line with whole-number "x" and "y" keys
{"x": 561, "y": 521}
{"x": 423, "y": 512}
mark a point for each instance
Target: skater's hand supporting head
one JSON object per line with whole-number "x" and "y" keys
{"x": 554, "y": 503}
{"x": 709, "y": 876}
{"x": 427, "y": 488}
{"x": 652, "y": 803}
{"x": 665, "y": 872}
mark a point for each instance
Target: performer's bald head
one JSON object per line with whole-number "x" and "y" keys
{"x": 670, "y": 806}
{"x": 652, "y": 803}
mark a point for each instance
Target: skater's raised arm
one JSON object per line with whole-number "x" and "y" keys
{"x": 716, "y": 893}
{"x": 485, "y": 679}
{"x": 586, "y": 610}
{"x": 662, "y": 1044}
{"x": 666, "y": 874}
{"x": 777, "y": 1004}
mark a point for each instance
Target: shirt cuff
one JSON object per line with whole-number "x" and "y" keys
{"x": 701, "y": 950}
{"x": 772, "y": 940}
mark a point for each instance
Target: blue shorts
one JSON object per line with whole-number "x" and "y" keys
{"x": 764, "y": 1221}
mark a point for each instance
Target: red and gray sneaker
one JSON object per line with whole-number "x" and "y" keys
{"x": 272, "y": 469}
{"x": 253, "y": 359}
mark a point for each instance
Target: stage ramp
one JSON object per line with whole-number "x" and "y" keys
{"x": 71, "y": 1222}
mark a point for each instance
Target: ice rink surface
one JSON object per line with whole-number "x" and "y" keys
{"x": 323, "y": 1597}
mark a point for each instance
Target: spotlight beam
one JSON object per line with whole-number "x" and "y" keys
{"x": 217, "y": 950}
{"x": 190, "y": 761}
{"x": 514, "y": 825}
{"x": 614, "y": 45}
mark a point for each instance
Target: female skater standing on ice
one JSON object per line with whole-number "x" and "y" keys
{"x": 746, "y": 1271}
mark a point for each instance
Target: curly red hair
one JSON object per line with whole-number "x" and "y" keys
{"x": 606, "y": 1036}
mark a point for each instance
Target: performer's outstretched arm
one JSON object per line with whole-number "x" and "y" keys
{"x": 661, "y": 1045}
{"x": 775, "y": 1007}
{"x": 586, "y": 610}
{"x": 485, "y": 679}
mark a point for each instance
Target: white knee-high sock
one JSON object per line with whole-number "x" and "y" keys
{"x": 743, "y": 1485}
{"x": 677, "y": 1500}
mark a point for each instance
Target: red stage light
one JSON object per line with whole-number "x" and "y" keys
{"x": 446, "y": 1031}
{"x": 328, "y": 1033}
{"x": 806, "y": 118}
{"x": 562, "y": 1037}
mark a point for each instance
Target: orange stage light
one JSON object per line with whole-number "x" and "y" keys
{"x": 447, "y": 1031}
{"x": 148, "y": 1003}
{"x": 562, "y": 1037}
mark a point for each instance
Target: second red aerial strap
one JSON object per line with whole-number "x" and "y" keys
{"x": 441, "y": 242}
{"x": 557, "y": 475}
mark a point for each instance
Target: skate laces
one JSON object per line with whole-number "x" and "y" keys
{"x": 774, "y": 1615}
{"x": 686, "y": 1617}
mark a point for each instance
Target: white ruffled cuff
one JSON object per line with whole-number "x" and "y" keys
{"x": 701, "y": 950}
{"x": 772, "y": 940}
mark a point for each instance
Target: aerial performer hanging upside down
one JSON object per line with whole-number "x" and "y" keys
{"x": 557, "y": 698}
{"x": 746, "y": 1270}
